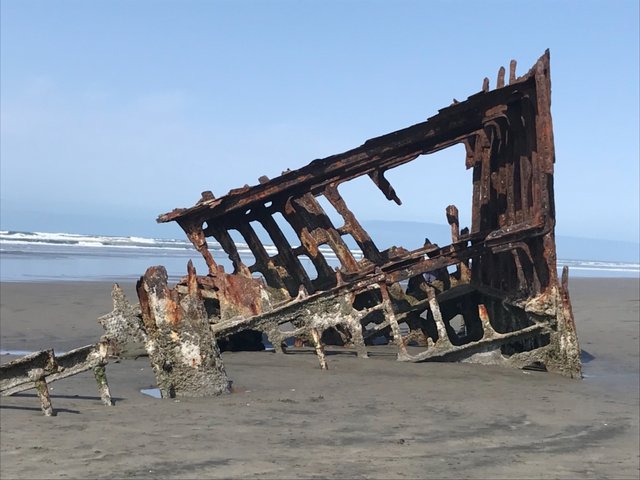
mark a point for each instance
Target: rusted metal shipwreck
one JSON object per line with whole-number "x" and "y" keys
{"x": 499, "y": 277}
{"x": 505, "y": 285}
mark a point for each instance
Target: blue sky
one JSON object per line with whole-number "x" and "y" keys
{"x": 115, "y": 111}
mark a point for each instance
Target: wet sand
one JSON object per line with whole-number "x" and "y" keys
{"x": 374, "y": 418}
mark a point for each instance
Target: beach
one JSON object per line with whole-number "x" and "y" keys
{"x": 363, "y": 418}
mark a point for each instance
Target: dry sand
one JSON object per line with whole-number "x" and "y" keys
{"x": 374, "y": 418}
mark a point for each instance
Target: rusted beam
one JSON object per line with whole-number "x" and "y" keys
{"x": 30, "y": 372}
{"x": 40, "y": 368}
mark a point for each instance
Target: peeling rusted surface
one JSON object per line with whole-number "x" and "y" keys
{"x": 181, "y": 347}
{"x": 503, "y": 284}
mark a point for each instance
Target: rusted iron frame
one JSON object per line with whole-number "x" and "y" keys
{"x": 351, "y": 225}
{"x": 450, "y": 126}
{"x": 390, "y": 273}
{"x": 287, "y": 256}
{"x": 510, "y": 160}
{"x": 414, "y": 262}
{"x": 442, "y": 350}
{"x": 279, "y": 313}
{"x": 315, "y": 229}
{"x": 381, "y": 165}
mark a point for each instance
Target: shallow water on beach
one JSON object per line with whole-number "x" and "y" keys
{"x": 64, "y": 263}
{"x": 16, "y": 353}
{"x": 151, "y": 392}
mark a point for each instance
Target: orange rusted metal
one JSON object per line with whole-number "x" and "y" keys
{"x": 504, "y": 287}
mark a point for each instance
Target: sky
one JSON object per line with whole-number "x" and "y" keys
{"x": 112, "y": 112}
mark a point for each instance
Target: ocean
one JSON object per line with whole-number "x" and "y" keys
{"x": 39, "y": 256}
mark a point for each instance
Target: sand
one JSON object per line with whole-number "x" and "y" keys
{"x": 375, "y": 418}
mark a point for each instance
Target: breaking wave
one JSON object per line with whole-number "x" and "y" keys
{"x": 17, "y": 249}
{"x": 37, "y": 242}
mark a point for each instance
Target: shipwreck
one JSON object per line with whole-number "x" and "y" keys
{"x": 492, "y": 295}
{"x": 498, "y": 275}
